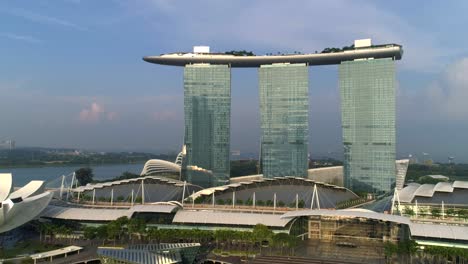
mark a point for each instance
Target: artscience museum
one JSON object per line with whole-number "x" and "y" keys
{"x": 20, "y": 206}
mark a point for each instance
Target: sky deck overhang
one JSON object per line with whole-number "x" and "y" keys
{"x": 377, "y": 52}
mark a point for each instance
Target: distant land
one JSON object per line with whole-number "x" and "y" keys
{"x": 39, "y": 157}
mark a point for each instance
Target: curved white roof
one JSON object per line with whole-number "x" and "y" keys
{"x": 460, "y": 184}
{"x": 6, "y": 185}
{"x": 103, "y": 214}
{"x": 443, "y": 187}
{"x": 180, "y": 157}
{"x": 157, "y": 166}
{"x": 439, "y": 231}
{"x": 426, "y": 190}
{"x": 30, "y": 189}
{"x": 84, "y": 214}
{"x": 414, "y": 190}
{"x": 90, "y": 187}
{"x": 228, "y": 218}
{"x": 212, "y": 190}
{"x": 17, "y": 214}
{"x": 407, "y": 193}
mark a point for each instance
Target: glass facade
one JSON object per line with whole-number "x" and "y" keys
{"x": 357, "y": 239}
{"x": 368, "y": 121}
{"x": 284, "y": 112}
{"x": 207, "y": 104}
{"x": 356, "y": 229}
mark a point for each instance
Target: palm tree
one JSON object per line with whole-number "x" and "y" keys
{"x": 280, "y": 240}
{"x": 42, "y": 228}
{"x": 435, "y": 211}
{"x": 89, "y": 232}
{"x": 292, "y": 244}
{"x": 113, "y": 231}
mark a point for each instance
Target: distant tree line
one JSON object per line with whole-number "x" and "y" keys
{"x": 28, "y": 157}
{"x": 453, "y": 171}
{"x": 85, "y": 175}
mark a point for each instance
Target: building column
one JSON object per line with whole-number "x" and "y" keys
{"x": 207, "y": 106}
{"x": 368, "y": 120}
{"x": 284, "y": 116}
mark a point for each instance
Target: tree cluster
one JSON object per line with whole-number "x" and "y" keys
{"x": 129, "y": 230}
{"x": 416, "y": 172}
{"x": 84, "y": 175}
{"x": 332, "y": 49}
{"x": 240, "y": 53}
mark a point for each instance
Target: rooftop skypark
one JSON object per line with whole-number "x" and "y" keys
{"x": 243, "y": 58}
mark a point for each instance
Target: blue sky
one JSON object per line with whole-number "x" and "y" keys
{"x": 72, "y": 74}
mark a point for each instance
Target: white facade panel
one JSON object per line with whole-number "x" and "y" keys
{"x": 201, "y": 49}
{"x": 359, "y": 43}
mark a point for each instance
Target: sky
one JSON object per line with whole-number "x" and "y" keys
{"x": 72, "y": 74}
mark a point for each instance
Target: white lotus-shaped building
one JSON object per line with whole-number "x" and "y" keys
{"x": 20, "y": 206}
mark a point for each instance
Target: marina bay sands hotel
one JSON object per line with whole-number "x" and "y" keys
{"x": 367, "y": 86}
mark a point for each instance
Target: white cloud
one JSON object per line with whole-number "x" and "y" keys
{"x": 96, "y": 113}
{"x": 441, "y": 100}
{"x": 448, "y": 95}
{"x": 34, "y": 17}
{"x": 29, "y": 39}
{"x": 288, "y": 26}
